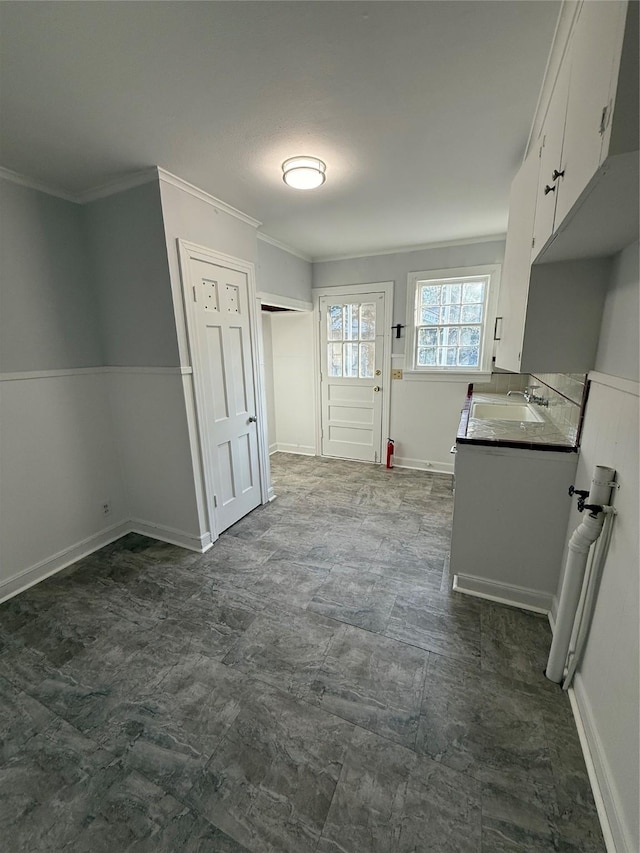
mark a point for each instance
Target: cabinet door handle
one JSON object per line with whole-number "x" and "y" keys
{"x": 556, "y": 174}
{"x": 495, "y": 329}
{"x": 549, "y": 189}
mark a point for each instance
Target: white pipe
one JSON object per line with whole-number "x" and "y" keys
{"x": 585, "y": 615}
{"x": 578, "y": 553}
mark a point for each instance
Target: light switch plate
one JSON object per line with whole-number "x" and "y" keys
{"x": 396, "y": 374}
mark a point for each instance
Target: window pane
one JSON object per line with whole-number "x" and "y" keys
{"x": 334, "y": 359}
{"x": 450, "y": 337}
{"x": 451, "y": 293}
{"x": 430, "y": 294}
{"x": 450, "y": 314}
{"x": 334, "y": 323}
{"x": 469, "y": 356}
{"x": 448, "y": 356}
{"x": 473, "y": 291}
{"x": 350, "y": 360}
{"x": 471, "y": 314}
{"x": 470, "y": 336}
{"x": 430, "y": 315}
{"x": 367, "y": 321}
{"x": 426, "y": 356}
{"x": 367, "y": 360}
{"x": 350, "y": 322}
{"x": 427, "y": 337}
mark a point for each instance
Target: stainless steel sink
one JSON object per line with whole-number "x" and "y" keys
{"x": 505, "y": 412}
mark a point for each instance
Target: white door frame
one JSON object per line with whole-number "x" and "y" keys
{"x": 341, "y": 291}
{"x": 191, "y": 251}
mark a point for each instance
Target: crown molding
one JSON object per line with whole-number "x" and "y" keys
{"x": 273, "y": 242}
{"x": 403, "y": 250}
{"x": 33, "y": 184}
{"x": 196, "y": 192}
{"x": 126, "y": 182}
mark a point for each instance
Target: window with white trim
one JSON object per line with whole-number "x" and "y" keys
{"x": 449, "y": 313}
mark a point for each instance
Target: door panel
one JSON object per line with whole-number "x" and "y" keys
{"x": 352, "y": 341}
{"x": 224, "y": 368}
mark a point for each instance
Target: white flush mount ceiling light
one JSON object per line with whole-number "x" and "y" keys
{"x": 303, "y": 173}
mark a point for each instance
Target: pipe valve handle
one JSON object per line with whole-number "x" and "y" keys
{"x": 580, "y": 492}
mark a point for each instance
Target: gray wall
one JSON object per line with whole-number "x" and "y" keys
{"x": 48, "y": 317}
{"x": 282, "y": 273}
{"x": 618, "y": 347}
{"x": 396, "y": 267}
{"x": 128, "y": 257}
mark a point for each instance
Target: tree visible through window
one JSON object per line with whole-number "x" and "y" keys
{"x": 450, "y": 314}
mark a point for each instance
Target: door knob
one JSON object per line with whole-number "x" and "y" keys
{"x": 252, "y": 419}
{"x": 376, "y": 387}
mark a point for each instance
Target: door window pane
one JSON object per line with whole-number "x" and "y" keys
{"x": 367, "y": 360}
{"x": 350, "y": 359}
{"x": 334, "y": 359}
{"x": 350, "y": 322}
{"x": 367, "y": 321}
{"x": 334, "y": 322}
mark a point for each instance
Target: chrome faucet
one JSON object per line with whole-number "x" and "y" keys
{"x": 529, "y": 395}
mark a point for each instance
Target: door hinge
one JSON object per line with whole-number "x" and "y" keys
{"x": 533, "y": 243}
{"x": 195, "y": 294}
{"x": 215, "y": 500}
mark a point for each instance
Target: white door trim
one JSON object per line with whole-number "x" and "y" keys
{"x": 385, "y": 287}
{"x": 191, "y": 251}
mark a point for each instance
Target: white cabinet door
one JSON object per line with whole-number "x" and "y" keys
{"x": 596, "y": 47}
{"x": 514, "y": 285}
{"x": 551, "y": 148}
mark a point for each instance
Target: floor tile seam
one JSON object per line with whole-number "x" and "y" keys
{"x": 316, "y": 707}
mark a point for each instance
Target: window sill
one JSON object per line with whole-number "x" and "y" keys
{"x": 447, "y": 376}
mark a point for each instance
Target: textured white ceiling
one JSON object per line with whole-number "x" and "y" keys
{"x": 421, "y": 110}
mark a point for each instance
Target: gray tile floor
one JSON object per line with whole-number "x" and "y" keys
{"x": 309, "y": 684}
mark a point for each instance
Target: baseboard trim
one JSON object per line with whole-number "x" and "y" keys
{"x": 52, "y": 565}
{"x": 423, "y": 465}
{"x": 504, "y": 593}
{"x": 301, "y": 449}
{"x": 171, "y": 535}
{"x": 45, "y": 568}
{"x": 616, "y": 835}
{"x": 273, "y": 448}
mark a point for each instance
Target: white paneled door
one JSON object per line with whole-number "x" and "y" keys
{"x": 351, "y": 359}
{"x": 223, "y": 369}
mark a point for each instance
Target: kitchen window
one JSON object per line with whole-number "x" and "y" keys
{"x": 451, "y": 316}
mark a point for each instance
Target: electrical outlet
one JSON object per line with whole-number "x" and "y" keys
{"x": 106, "y": 508}
{"x": 396, "y": 374}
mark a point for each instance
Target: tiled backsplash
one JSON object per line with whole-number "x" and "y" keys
{"x": 570, "y": 385}
{"x": 501, "y": 383}
{"x": 564, "y": 391}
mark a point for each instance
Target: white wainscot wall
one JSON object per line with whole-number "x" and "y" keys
{"x": 158, "y": 454}
{"x": 59, "y": 465}
{"x": 606, "y": 688}
{"x": 425, "y": 415}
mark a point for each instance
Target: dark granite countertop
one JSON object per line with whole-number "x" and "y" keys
{"x": 496, "y": 432}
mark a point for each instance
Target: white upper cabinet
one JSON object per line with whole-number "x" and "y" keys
{"x": 587, "y": 193}
{"x": 514, "y": 285}
{"x": 595, "y": 58}
{"x": 551, "y": 162}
